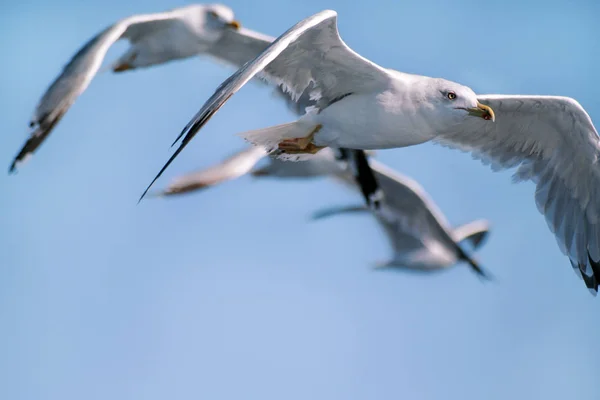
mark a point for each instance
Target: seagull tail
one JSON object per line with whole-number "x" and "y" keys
{"x": 270, "y": 137}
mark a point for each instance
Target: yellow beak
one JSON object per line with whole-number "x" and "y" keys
{"x": 482, "y": 111}
{"x": 234, "y": 24}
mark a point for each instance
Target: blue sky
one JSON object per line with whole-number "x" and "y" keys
{"x": 204, "y": 297}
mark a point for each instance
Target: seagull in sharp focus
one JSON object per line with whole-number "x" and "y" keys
{"x": 419, "y": 234}
{"x": 360, "y": 105}
{"x": 155, "y": 39}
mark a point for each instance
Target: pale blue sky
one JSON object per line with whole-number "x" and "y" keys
{"x": 196, "y": 297}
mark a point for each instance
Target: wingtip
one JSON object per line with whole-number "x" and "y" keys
{"x": 145, "y": 193}
{"x": 180, "y": 135}
{"x": 18, "y": 161}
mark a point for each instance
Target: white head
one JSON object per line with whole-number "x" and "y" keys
{"x": 216, "y": 18}
{"x": 453, "y": 102}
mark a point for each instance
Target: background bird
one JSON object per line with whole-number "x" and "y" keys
{"x": 154, "y": 39}
{"x": 418, "y": 232}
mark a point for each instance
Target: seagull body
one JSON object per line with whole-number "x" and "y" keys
{"x": 155, "y": 39}
{"x": 418, "y": 232}
{"x": 551, "y": 139}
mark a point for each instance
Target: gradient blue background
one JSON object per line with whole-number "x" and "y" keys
{"x": 203, "y": 297}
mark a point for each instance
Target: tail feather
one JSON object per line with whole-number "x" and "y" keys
{"x": 270, "y": 137}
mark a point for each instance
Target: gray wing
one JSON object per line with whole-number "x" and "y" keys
{"x": 407, "y": 198}
{"x": 237, "y": 47}
{"x": 408, "y": 212}
{"x": 231, "y": 168}
{"x": 402, "y": 240}
{"x": 78, "y": 73}
{"x": 555, "y": 144}
{"x": 310, "y": 51}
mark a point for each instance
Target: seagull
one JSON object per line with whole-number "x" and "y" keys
{"x": 155, "y": 39}
{"x": 360, "y": 105}
{"x": 419, "y": 234}
{"x": 244, "y": 162}
{"x": 353, "y": 96}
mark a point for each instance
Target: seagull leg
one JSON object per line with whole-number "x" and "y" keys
{"x": 122, "y": 67}
{"x": 301, "y": 145}
{"x": 126, "y": 65}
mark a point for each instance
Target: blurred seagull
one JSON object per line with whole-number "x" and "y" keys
{"x": 418, "y": 232}
{"x": 361, "y": 105}
{"x": 155, "y": 39}
{"x": 244, "y": 162}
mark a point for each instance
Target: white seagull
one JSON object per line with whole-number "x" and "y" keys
{"x": 419, "y": 234}
{"x": 360, "y": 105}
{"x": 155, "y": 39}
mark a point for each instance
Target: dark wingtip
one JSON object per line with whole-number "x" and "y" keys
{"x": 473, "y": 264}
{"x": 179, "y": 137}
{"x": 186, "y": 140}
{"x": 591, "y": 282}
{"x": 21, "y": 157}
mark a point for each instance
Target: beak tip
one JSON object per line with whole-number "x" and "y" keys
{"x": 235, "y": 24}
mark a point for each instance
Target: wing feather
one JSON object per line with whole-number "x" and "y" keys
{"x": 77, "y": 75}
{"x": 554, "y": 143}
{"x": 231, "y": 168}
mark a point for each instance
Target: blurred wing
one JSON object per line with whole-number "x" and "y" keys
{"x": 401, "y": 240}
{"x": 401, "y": 206}
{"x": 408, "y": 198}
{"x": 337, "y": 210}
{"x": 554, "y": 143}
{"x": 475, "y": 232}
{"x": 237, "y": 47}
{"x": 78, "y": 73}
{"x": 310, "y": 51}
{"x": 231, "y": 168}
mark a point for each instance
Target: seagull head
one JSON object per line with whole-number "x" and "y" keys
{"x": 218, "y": 17}
{"x": 459, "y": 101}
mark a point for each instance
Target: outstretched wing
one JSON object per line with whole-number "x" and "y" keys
{"x": 231, "y": 168}
{"x": 555, "y": 144}
{"x": 78, "y": 73}
{"x": 310, "y": 51}
{"x": 405, "y": 210}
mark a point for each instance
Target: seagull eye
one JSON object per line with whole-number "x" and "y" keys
{"x": 451, "y": 95}
{"x": 213, "y": 14}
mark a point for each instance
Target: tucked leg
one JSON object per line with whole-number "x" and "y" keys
{"x": 301, "y": 145}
